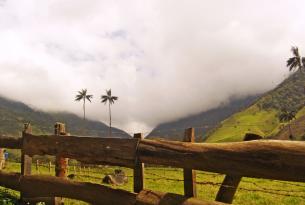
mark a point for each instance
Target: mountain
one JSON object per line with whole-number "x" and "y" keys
{"x": 14, "y": 114}
{"x": 262, "y": 117}
{"x": 204, "y": 121}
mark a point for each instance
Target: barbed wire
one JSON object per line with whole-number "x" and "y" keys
{"x": 262, "y": 189}
{"x": 158, "y": 177}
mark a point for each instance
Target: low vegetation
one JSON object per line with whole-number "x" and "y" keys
{"x": 253, "y": 191}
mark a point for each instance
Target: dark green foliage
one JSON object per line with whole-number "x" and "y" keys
{"x": 108, "y": 97}
{"x": 82, "y": 95}
{"x": 290, "y": 94}
{"x": 296, "y": 62}
{"x": 286, "y": 115}
{"x": 8, "y": 197}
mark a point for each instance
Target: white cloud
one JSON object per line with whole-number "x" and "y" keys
{"x": 164, "y": 59}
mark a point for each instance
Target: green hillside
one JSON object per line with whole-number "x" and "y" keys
{"x": 262, "y": 117}
{"x": 14, "y": 114}
{"x": 174, "y": 130}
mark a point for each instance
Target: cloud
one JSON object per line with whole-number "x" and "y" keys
{"x": 164, "y": 59}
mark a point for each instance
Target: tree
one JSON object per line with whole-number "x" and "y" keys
{"x": 82, "y": 95}
{"x": 287, "y": 116}
{"x": 296, "y": 62}
{"x": 110, "y": 99}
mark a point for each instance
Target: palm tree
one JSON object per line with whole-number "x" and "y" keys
{"x": 110, "y": 99}
{"x": 296, "y": 62}
{"x": 287, "y": 116}
{"x": 82, "y": 95}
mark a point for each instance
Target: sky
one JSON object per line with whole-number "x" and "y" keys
{"x": 164, "y": 59}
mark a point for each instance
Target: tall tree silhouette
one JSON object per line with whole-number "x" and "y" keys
{"x": 296, "y": 62}
{"x": 287, "y": 116}
{"x": 82, "y": 95}
{"x": 110, "y": 99}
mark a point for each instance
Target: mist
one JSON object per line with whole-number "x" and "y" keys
{"x": 164, "y": 59}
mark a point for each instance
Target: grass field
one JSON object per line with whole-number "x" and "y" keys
{"x": 253, "y": 120}
{"x": 251, "y": 192}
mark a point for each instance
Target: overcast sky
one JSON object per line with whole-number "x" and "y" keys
{"x": 165, "y": 59}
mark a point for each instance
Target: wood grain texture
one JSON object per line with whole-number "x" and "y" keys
{"x": 10, "y": 180}
{"x": 230, "y": 183}
{"x": 26, "y": 160}
{"x": 10, "y": 142}
{"x": 49, "y": 186}
{"x": 111, "y": 151}
{"x": 189, "y": 175}
{"x": 228, "y": 189}
{"x": 271, "y": 159}
{"x": 138, "y": 171}
{"x": 147, "y": 197}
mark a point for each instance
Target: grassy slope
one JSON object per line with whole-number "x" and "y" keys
{"x": 261, "y": 117}
{"x": 251, "y": 120}
{"x": 172, "y": 130}
{"x": 154, "y": 180}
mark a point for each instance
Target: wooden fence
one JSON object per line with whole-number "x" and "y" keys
{"x": 269, "y": 159}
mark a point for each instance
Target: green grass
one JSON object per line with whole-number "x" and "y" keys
{"x": 251, "y": 191}
{"x": 300, "y": 113}
{"x": 251, "y": 120}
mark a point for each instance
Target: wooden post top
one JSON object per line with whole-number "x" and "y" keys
{"x": 189, "y": 135}
{"x": 60, "y": 128}
{"x": 27, "y": 128}
{"x": 138, "y": 136}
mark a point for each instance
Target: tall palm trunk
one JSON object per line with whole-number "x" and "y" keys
{"x": 84, "y": 108}
{"x": 290, "y": 132}
{"x": 109, "y": 119}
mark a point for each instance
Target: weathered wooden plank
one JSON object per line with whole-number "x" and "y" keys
{"x": 49, "y": 186}
{"x": 189, "y": 175}
{"x": 271, "y": 159}
{"x": 147, "y": 197}
{"x": 228, "y": 189}
{"x": 10, "y": 142}
{"x": 138, "y": 171}
{"x": 111, "y": 151}
{"x": 60, "y": 163}
{"x": 10, "y": 180}
{"x": 26, "y": 160}
{"x": 230, "y": 183}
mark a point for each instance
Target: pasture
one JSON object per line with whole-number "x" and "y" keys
{"x": 166, "y": 179}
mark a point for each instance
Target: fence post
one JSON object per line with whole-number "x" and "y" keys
{"x": 189, "y": 175}
{"x": 2, "y": 158}
{"x": 37, "y": 166}
{"x": 230, "y": 183}
{"x": 138, "y": 171}
{"x": 26, "y": 160}
{"x": 60, "y": 162}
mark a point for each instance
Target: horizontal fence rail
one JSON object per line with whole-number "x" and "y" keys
{"x": 112, "y": 151}
{"x": 269, "y": 159}
{"x": 49, "y": 186}
{"x": 10, "y": 142}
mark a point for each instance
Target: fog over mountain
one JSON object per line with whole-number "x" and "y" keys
{"x": 164, "y": 59}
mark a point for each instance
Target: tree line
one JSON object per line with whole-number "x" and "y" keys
{"x": 296, "y": 63}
